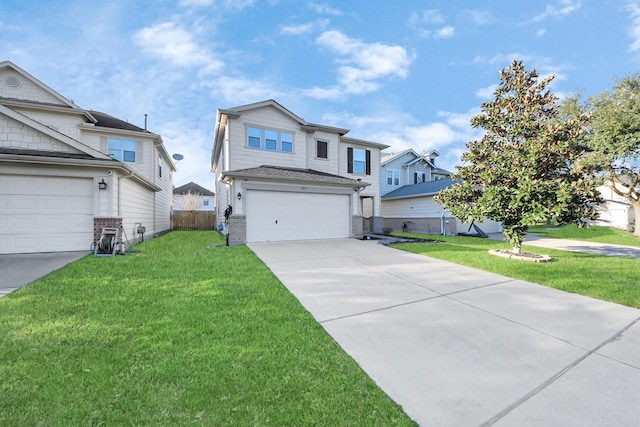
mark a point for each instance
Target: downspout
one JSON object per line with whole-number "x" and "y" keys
{"x": 155, "y": 229}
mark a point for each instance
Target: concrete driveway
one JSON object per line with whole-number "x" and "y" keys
{"x": 461, "y": 347}
{"x": 17, "y": 270}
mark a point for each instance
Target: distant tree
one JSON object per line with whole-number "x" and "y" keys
{"x": 614, "y": 138}
{"x": 190, "y": 201}
{"x": 526, "y": 167}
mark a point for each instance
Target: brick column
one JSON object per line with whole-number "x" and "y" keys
{"x": 106, "y": 222}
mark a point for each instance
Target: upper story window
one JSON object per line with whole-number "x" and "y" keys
{"x": 123, "y": 150}
{"x": 271, "y": 140}
{"x": 322, "y": 149}
{"x": 419, "y": 177}
{"x": 393, "y": 177}
{"x": 205, "y": 202}
{"x": 358, "y": 161}
{"x": 160, "y": 167}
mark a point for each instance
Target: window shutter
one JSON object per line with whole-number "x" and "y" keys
{"x": 349, "y": 160}
{"x": 139, "y": 149}
{"x": 367, "y": 165}
{"x": 415, "y": 177}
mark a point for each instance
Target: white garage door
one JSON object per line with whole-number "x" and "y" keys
{"x": 277, "y": 216}
{"x": 45, "y": 214}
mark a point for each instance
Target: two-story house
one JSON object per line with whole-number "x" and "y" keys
{"x": 408, "y": 183}
{"x": 193, "y": 197}
{"x": 66, "y": 172}
{"x": 408, "y": 167}
{"x": 279, "y": 177}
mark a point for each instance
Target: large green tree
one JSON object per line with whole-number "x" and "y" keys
{"x": 526, "y": 167}
{"x": 614, "y": 138}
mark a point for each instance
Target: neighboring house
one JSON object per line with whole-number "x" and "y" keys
{"x": 616, "y": 211}
{"x": 192, "y": 197}
{"x": 67, "y": 172}
{"x": 408, "y": 167}
{"x": 413, "y": 208}
{"x": 279, "y": 177}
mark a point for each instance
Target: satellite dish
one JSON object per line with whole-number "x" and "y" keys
{"x": 177, "y": 157}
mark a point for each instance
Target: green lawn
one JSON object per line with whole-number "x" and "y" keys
{"x": 590, "y": 234}
{"x": 178, "y": 334}
{"x": 606, "y": 278}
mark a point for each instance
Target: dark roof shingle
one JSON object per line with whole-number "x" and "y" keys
{"x": 107, "y": 121}
{"x": 428, "y": 188}
{"x": 193, "y": 188}
{"x": 294, "y": 174}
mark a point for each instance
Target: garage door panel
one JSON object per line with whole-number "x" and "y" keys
{"x": 276, "y": 216}
{"x": 45, "y": 214}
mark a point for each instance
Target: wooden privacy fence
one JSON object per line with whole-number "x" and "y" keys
{"x": 193, "y": 220}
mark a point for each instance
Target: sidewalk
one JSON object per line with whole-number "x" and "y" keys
{"x": 594, "y": 248}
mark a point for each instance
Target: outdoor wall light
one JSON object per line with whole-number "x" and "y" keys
{"x": 239, "y": 195}
{"x": 102, "y": 185}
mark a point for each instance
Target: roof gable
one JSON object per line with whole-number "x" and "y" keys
{"x": 55, "y": 135}
{"x": 192, "y": 188}
{"x": 393, "y": 157}
{"x": 15, "y": 83}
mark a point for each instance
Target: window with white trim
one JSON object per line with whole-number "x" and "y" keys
{"x": 269, "y": 140}
{"x": 419, "y": 177}
{"x": 393, "y": 177}
{"x": 123, "y": 150}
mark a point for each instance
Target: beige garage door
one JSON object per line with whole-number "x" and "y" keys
{"x": 45, "y": 214}
{"x": 277, "y": 216}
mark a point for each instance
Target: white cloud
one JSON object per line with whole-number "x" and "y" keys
{"x": 431, "y": 16}
{"x": 479, "y": 17}
{"x": 325, "y": 9}
{"x": 541, "y": 32}
{"x": 362, "y": 64}
{"x": 196, "y": 3}
{"x": 561, "y": 9}
{"x": 421, "y": 22}
{"x": 234, "y": 5}
{"x": 487, "y": 92}
{"x": 195, "y": 145}
{"x": 444, "y": 32}
{"x": 233, "y": 91}
{"x": 332, "y": 92}
{"x": 448, "y": 134}
{"x": 176, "y": 45}
{"x": 634, "y": 29}
{"x": 304, "y": 28}
{"x": 542, "y": 64}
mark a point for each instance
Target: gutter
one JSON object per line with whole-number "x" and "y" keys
{"x": 62, "y": 161}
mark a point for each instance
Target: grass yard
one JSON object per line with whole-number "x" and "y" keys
{"x": 606, "y": 278}
{"x": 178, "y": 334}
{"x": 590, "y": 234}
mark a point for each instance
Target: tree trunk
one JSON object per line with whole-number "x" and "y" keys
{"x": 516, "y": 249}
{"x": 636, "y": 210}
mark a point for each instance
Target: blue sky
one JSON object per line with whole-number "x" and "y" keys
{"x": 409, "y": 74}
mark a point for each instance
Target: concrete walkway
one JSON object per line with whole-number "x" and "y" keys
{"x": 594, "y": 248}
{"x": 462, "y": 347}
{"x": 17, "y": 270}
